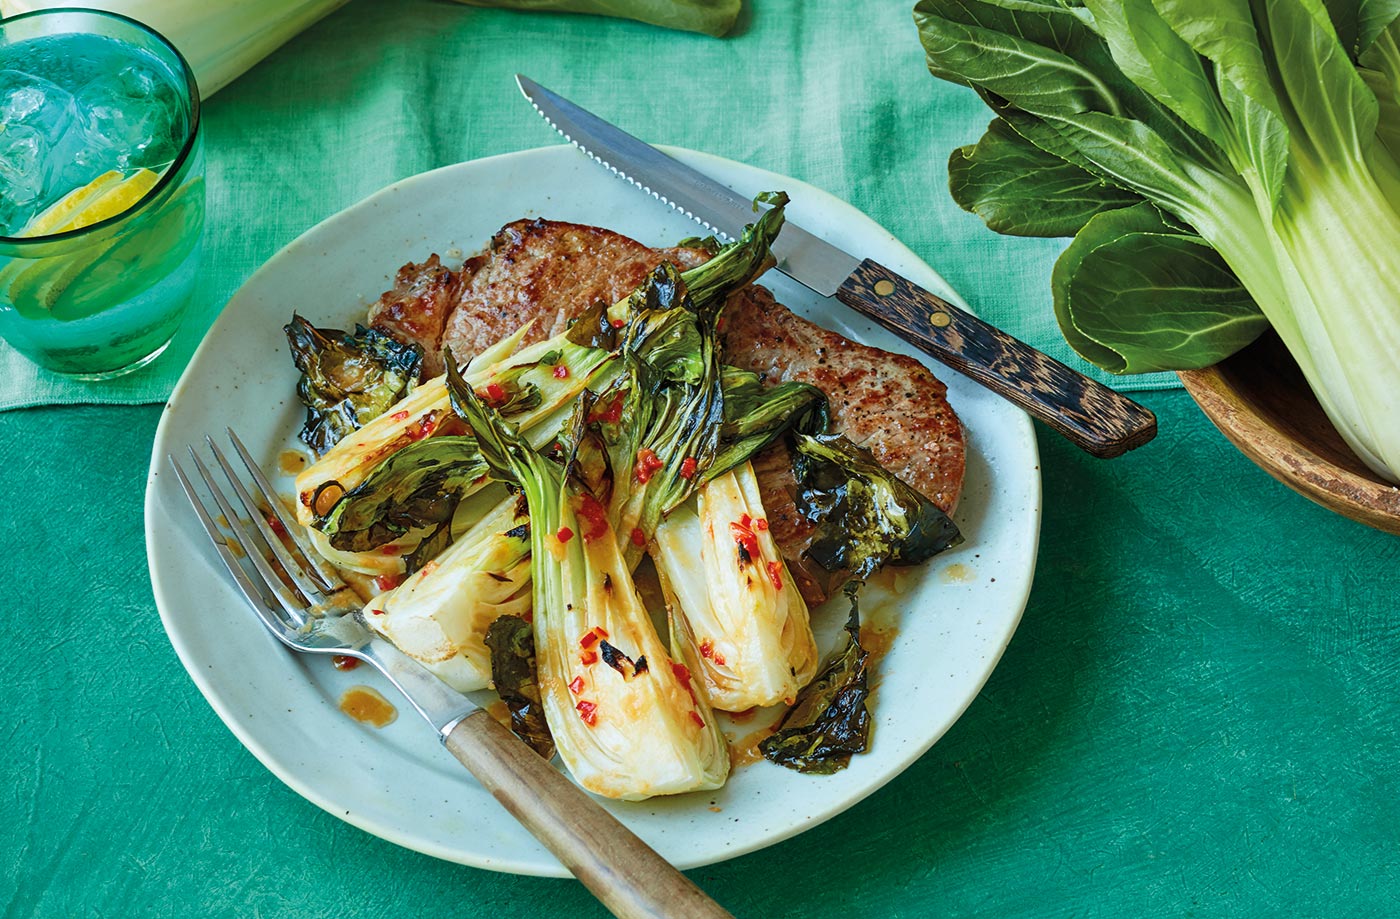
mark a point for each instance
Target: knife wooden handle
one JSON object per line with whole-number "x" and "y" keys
{"x": 1092, "y": 416}
{"x": 623, "y": 872}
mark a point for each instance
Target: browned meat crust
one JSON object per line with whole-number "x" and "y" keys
{"x": 888, "y": 403}
{"x": 416, "y": 308}
{"x": 550, "y": 272}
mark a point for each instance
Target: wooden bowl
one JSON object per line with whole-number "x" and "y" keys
{"x": 1258, "y": 399}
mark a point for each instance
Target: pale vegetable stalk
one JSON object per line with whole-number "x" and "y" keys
{"x": 627, "y": 721}
{"x": 736, "y": 615}
{"x": 422, "y": 412}
{"x": 440, "y": 614}
{"x": 220, "y": 40}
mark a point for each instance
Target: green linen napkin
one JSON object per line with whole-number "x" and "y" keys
{"x": 381, "y": 90}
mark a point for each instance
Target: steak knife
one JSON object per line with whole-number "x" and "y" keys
{"x": 1101, "y": 421}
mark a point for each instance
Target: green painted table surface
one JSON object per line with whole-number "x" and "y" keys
{"x": 1197, "y": 716}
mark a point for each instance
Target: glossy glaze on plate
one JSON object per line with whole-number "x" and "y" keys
{"x": 397, "y": 782}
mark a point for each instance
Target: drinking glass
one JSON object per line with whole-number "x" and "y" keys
{"x": 101, "y": 190}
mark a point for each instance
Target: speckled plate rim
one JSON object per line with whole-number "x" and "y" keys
{"x": 388, "y": 783}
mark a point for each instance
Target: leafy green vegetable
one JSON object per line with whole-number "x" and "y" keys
{"x": 419, "y": 486}
{"x": 712, "y": 17}
{"x": 830, "y": 721}
{"x": 755, "y": 415}
{"x": 865, "y": 516}
{"x": 627, "y": 728}
{"x": 1267, "y": 130}
{"x": 736, "y": 615}
{"x": 1021, "y": 190}
{"x": 347, "y": 380}
{"x": 1126, "y": 270}
{"x": 512, "y": 643}
{"x": 440, "y": 613}
{"x": 672, "y": 406}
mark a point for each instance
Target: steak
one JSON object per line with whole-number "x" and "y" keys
{"x": 534, "y": 269}
{"x": 550, "y": 272}
{"x": 889, "y": 404}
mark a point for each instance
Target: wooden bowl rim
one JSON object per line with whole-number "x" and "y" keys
{"x": 1366, "y": 500}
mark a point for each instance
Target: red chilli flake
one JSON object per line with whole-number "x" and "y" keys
{"x": 276, "y": 525}
{"x": 588, "y": 711}
{"x": 595, "y": 515}
{"x": 775, "y": 573}
{"x": 588, "y": 657}
{"x": 589, "y": 639}
{"x": 760, "y": 524}
{"x": 695, "y": 716}
{"x": 610, "y": 415}
{"x": 688, "y": 467}
{"x": 343, "y": 662}
{"x": 377, "y": 612}
{"x": 744, "y": 537}
{"x": 387, "y": 582}
{"x": 576, "y": 685}
{"x": 638, "y": 537}
{"x": 706, "y": 648}
{"x": 425, "y": 427}
{"x": 400, "y": 416}
{"x": 561, "y": 372}
{"x": 682, "y": 673}
{"x": 647, "y": 465}
{"x": 564, "y": 535}
{"x": 618, "y": 323}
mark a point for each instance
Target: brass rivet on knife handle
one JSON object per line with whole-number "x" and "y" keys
{"x": 1092, "y": 416}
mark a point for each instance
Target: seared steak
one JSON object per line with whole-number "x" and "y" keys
{"x": 888, "y": 403}
{"x": 550, "y": 272}
{"x": 418, "y": 306}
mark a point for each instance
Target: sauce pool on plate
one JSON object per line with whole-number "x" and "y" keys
{"x": 368, "y": 706}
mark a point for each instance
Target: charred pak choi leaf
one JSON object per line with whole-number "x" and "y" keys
{"x": 432, "y": 545}
{"x": 509, "y": 394}
{"x": 593, "y": 328}
{"x": 419, "y": 486}
{"x": 830, "y": 722}
{"x": 667, "y": 423}
{"x": 348, "y": 379}
{"x": 865, "y": 516}
{"x": 755, "y": 415}
{"x": 512, "y": 643}
{"x": 630, "y": 732}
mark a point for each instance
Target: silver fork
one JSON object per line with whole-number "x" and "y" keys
{"x": 311, "y": 612}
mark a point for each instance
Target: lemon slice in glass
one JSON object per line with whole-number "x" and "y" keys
{"x": 105, "y": 196}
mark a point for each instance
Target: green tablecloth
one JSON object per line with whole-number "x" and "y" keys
{"x": 1196, "y": 718}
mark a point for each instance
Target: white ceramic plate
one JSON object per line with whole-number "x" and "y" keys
{"x": 954, "y": 617}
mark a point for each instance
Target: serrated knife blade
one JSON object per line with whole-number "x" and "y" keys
{"x": 1094, "y": 417}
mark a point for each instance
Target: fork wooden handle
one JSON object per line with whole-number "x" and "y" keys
{"x": 623, "y": 872}
{"x": 1092, "y": 416}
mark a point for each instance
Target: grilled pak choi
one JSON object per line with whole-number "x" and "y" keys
{"x": 440, "y": 614}
{"x": 627, "y": 721}
{"x": 735, "y": 612}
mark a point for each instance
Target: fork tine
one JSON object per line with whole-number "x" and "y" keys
{"x": 288, "y": 600}
{"x": 245, "y": 584}
{"x": 327, "y": 577}
{"x": 308, "y": 586}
